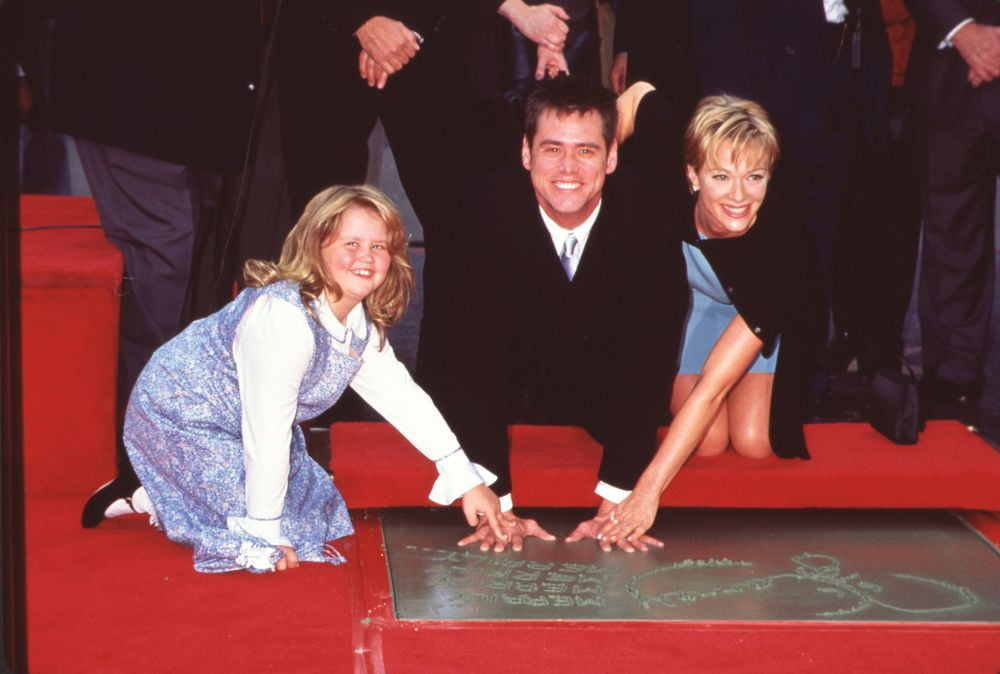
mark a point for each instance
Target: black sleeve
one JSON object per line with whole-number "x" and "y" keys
{"x": 473, "y": 386}
{"x": 645, "y": 361}
{"x": 655, "y": 152}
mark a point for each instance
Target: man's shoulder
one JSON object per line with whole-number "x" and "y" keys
{"x": 503, "y": 200}
{"x": 629, "y": 197}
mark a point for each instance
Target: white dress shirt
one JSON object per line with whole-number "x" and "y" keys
{"x": 559, "y": 234}
{"x": 272, "y": 349}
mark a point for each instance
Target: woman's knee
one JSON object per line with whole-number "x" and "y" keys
{"x": 752, "y": 443}
{"x": 715, "y": 442}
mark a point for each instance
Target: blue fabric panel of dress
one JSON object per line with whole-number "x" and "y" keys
{"x": 711, "y": 312}
{"x": 183, "y": 436}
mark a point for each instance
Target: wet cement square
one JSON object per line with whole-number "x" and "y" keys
{"x": 746, "y": 565}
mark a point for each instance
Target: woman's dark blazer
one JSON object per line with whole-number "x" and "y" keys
{"x": 771, "y": 275}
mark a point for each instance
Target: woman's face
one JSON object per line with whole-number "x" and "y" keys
{"x": 357, "y": 259}
{"x": 729, "y": 195}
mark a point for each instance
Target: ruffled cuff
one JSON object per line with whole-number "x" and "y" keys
{"x": 457, "y": 475}
{"x": 257, "y": 557}
{"x": 611, "y": 493}
{"x": 268, "y": 530}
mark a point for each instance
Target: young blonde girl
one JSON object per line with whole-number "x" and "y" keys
{"x": 212, "y": 427}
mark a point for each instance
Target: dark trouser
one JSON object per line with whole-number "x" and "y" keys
{"x": 818, "y": 190}
{"x": 875, "y": 250}
{"x": 958, "y": 180}
{"x": 327, "y": 114}
{"x": 151, "y": 211}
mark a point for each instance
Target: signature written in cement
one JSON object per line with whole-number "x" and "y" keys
{"x": 823, "y": 571}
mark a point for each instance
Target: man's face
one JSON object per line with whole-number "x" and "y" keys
{"x": 568, "y": 160}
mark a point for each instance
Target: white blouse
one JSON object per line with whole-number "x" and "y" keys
{"x": 272, "y": 349}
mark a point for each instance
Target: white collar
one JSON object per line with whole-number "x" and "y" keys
{"x": 356, "y": 323}
{"x": 559, "y": 234}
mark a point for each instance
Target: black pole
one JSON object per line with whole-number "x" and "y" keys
{"x": 11, "y": 458}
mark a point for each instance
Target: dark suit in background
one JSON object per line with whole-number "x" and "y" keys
{"x": 529, "y": 345}
{"x": 826, "y": 87}
{"x": 159, "y": 98}
{"x": 327, "y": 113}
{"x": 959, "y": 135}
{"x": 656, "y": 35}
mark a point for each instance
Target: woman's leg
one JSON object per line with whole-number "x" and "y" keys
{"x": 749, "y": 415}
{"x": 717, "y": 436}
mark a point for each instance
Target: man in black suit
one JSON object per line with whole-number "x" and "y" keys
{"x": 568, "y": 303}
{"x": 159, "y": 99}
{"x": 954, "y": 75}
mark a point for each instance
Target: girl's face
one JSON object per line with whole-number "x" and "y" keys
{"x": 729, "y": 195}
{"x": 357, "y": 259}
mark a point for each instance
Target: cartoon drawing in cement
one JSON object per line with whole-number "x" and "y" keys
{"x": 823, "y": 570}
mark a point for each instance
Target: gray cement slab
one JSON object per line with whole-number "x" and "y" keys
{"x": 795, "y": 565}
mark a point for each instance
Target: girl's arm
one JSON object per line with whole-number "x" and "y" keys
{"x": 272, "y": 349}
{"x": 728, "y": 361}
{"x": 386, "y": 385}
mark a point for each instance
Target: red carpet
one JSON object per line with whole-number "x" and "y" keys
{"x": 852, "y": 467}
{"x": 70, "y": 278}
{"x": 122, "y": 598}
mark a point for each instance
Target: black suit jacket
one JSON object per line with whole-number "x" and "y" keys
{"x": 324, "y": 29}
{"x": 173, "y": 81}
{"x": 599, "y": 351}
{"x": 656, "y": 34}
{"x": 777, "y": 52}
{"x": 937, "y": 77}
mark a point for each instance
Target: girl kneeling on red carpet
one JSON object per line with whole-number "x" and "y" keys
{"x": 212, "y": 427}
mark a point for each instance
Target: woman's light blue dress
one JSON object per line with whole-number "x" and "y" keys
{"x": 183, "y": 436}
{"x": 710, "y": 314}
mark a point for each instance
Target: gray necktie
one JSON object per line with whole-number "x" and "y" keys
{"x": 568, "y": 255}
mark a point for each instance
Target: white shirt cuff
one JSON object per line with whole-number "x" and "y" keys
{"x": 506, "y": 503}
{"x": 946, "y": 42}
{"x": 611, "y": 493}
{"x": 269, "y": 530}
{"x": 457, "y": 475}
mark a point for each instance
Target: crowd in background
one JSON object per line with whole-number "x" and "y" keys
{"x": 888, "y": 113}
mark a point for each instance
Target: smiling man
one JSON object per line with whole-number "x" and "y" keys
{"x": 568, "y": 303}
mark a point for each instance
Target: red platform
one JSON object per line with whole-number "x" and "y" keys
{"x": 384, "y": 643}
{"x": 852, "y": 467}
{"x": 70, "y": 282}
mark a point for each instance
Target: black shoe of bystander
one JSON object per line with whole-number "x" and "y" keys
{"x": 944, "y": 399}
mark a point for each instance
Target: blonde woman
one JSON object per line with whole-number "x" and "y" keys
{"x": 212, "y": 424}
{"x": 744, "y": 364}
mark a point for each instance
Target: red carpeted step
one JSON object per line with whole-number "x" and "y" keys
{"x": 852, "y": 466}
{"x": 123, "y": 598}
{"x": 71, "y": 277}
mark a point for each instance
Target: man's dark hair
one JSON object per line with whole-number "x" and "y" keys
{"x": 568, "y": 94}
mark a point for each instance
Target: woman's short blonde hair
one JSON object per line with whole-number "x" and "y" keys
{"x": 722, "y": 119}
{"x": 301, "y": 259}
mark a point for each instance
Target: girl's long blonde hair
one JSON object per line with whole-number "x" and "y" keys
{"x": 301, "y": 259}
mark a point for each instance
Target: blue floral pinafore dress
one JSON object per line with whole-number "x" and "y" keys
{"x": 183, "y": 436}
